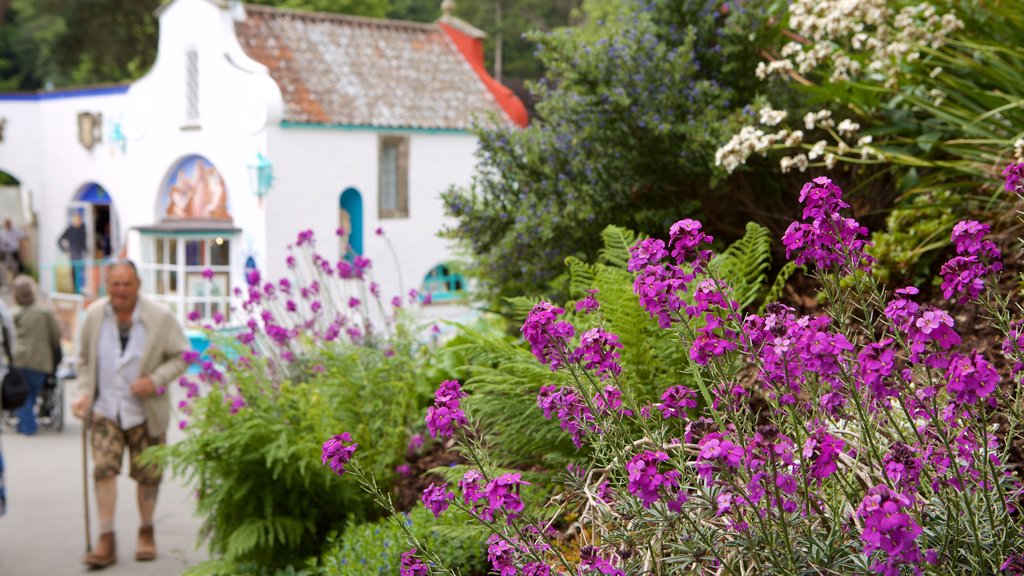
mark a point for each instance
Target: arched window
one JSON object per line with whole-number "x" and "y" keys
{"x": 351, "y": 222}
{"x": 444, "y": 285}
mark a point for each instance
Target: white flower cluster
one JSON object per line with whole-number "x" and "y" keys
{"x": 854, "y": 37}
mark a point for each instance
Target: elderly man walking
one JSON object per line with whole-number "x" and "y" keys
{"x": 130, "y": 351}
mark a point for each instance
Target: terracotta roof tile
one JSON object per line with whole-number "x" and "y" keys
{"x": 335, "y": 69}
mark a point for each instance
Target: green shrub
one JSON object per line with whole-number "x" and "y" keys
{"x": 370, "y": 548}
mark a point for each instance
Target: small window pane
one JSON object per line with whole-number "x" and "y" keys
{"x": 195, "y": 253}
{"x": 389, "y": 176}
{"x": 172, "y": 250}
{"x": 160, "y": 288}
{"x": 219, "y": 253}
{"x": 158, "y": 256}
{"x": 172, "y": 282}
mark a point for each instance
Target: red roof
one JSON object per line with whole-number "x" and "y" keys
{"x": 336, "y": 69}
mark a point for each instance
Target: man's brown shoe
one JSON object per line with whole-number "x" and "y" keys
{"x": 146, "y": 548}
{"x": 104, "y": 554}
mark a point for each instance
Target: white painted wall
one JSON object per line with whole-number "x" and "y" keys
{"x": 240, "y": 115}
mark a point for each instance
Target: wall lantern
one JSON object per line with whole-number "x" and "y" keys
{"x": 261, "y": 176}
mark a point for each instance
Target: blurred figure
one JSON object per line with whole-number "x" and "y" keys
{"x": 37, "y": 337}
{"x": 8, "y": 330}
{"x": 10, "y": 245}
{"x": 72, "y": 242}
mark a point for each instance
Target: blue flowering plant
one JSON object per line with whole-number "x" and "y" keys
{"x": 863, "y": 440}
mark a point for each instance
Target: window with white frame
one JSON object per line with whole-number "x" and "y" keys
{"x": 444, "y": 285}
{"x": 393, "y": 179}
{"x": 189, "y": 273}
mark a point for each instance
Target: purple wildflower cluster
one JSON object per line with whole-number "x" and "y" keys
{"x": 963, "y": 276}
{"x": 511, "y": 555}
{"x": 676, "y": 400}
{"x": 446, "y": 414}
{"x": 658, "y": 283}
{"x": 411, "y": 565}
{"x": 501, "y": 494}
{"x": 649, "y": 484}
{"x": 597, "y": 351}
{"x": 1013, "y": 176}
{"x": 336, "y": 452}
{"x": 547, "y": 335}
{"x": 889, "y": 528}
{"x": 791, "y": 352}
{"x": 825, "y": 238}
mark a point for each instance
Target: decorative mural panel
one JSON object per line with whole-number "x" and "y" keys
{"x": 194, "y": 190}
{"x": 90, "y": 129}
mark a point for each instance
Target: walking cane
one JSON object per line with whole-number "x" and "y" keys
{"x": 86, "y": 424}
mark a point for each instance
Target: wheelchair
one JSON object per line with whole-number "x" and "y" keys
{"x": 49, "y": 408}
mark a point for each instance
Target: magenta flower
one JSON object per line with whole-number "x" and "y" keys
{"x": 676, "y": 400}
{"x": 597, "y": 351}
{"x": 877, "y": 362}
{"x": 194, "y": 316}
{"x": 502, "y": 494}
{"x": 339, "y": 231}
{"x": 658, "y": 289}
{"x": 337, "y": 453}
{"x": 208, "y": 274}
{"x": 546, "y": 335}
{"x": 379, "y": 231}
{"x": 437, "y": 499}
{"x": 574, "y": 415}
{"x": 646, "y": 252}
{"x": 650, "y": 484}
{"x": 716, "y": 450}
{"x": 685, "y": 238}
{"x": 305, "y": 237}
{"x": 902, "y": 466}
{"x": 964, "y": 275}
{"x": 970, "y": 378}
{"x": 190, "y": 356}
{"x": 822, "y": 451}
{"x": 446, "y": 414}
{"x": 469, "y": 485}
{"x": 890, "y": 529}
{"x": 412, "y": 566}
{"x": 589, "y": 303}
{"x": 825, "y": 238}
{"x": 1014, "y": 175}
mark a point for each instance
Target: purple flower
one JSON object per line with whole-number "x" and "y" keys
{"x": 902, "y": 466}
{"x": 890, "y": 529}
{"x": 714, "y": 450}
{"x": 337, "y": 453}
{"x": 649, "y": 484}
{"x": 290, "y": 261}
{"x": 403, "y": 470}
{"x": 822, "y": 450}
{"x": 1013, "y": 346}
{"x": 218, "y": 318}
{"x": 415, "y": 442}
{"x": 252, "y": 277}
{"x": 208, "y": 274}
{"x": 658, "y": 289}
{"x": 339, "y": 231}
{"x": 592, "y": 563}
{"x": 190, "y": 356}
{"x": 546, "y": 335}
{"x": 412, "y": 566}
{"x": 502, "y": 554}
{"x": 194, "y": 316}
{"x": 877, "y": 362}
{"x": 396, "y": 302}
{"x": 574, "y": 415}
{"x": 1014, "y": 564}
{"x": 826, "y": 238}
{"x": 1014, "y": 175}
{"x": 589, "y": 303}
{"x": 469, "y": 485}
{"x": 646, "y": 252}
{"x": 502, "y": 494}
{"x": 446, "y": 413}
{"x": 970, "y": 378}
{"x": 685, "y": 237}
{"x": 676, "y": 400}
{"x": 379, "y": 231}
{"x": 597, "y": 350}
{"x": 305, "y": 237}
{"x": 964, "y": 275}
{"x": 437, "y": 498}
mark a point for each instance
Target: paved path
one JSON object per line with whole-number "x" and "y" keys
{"x": 43, "y": 532}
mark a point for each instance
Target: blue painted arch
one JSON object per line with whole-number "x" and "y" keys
{"x": 93, "y": 193}
{"x": 351, "y": 201}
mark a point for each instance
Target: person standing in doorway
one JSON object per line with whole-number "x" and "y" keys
{"x": 130, "y": 351}
{"x": 72, "y": 242}
{"x": 10, "y": 246}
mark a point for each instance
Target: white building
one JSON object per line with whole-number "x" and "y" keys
{"x": 363, "y": 123}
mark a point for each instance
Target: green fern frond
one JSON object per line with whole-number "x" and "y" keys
{"x": 581, "y": 276}
{"x": 617, "y": 241}
{"x": 520, "y": 306}
{"x": 745, "y": 263}
{"x": 775, "y": 293}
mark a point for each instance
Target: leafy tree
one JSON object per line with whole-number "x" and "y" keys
{"x": 372, "y": 8}
{"x": 631, "y": 112}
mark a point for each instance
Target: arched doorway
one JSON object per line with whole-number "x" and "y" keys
{"x": 89, "y": 238}
{"x": 351, "y": 223}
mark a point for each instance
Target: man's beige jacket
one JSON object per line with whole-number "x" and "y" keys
{"x": 161, "y": 357}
